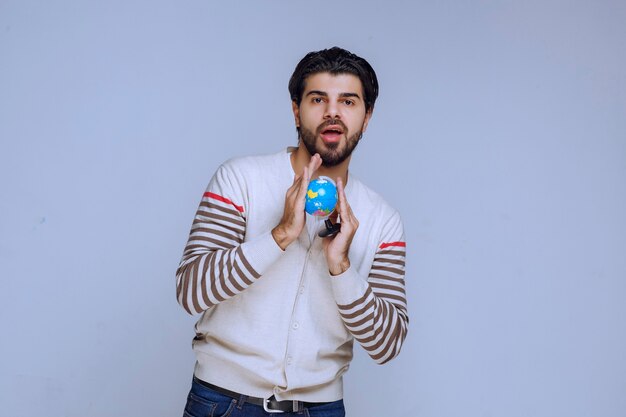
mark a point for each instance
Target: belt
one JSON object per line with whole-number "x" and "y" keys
{"x": 270, "y": 405}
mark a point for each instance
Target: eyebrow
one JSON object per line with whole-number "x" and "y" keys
{"x": 324, "y": 94}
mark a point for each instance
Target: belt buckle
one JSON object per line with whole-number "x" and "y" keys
{"x": 266, "y": 402}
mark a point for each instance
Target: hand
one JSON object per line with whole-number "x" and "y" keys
{"x": 337, "y": 247}
{"x": 293, "y": 220}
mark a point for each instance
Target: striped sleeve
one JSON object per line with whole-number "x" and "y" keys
{"x": 378, "y": 318}
{"x": 214, "y": 266}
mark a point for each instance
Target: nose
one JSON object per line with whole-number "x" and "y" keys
{"x": 332, "y": 111}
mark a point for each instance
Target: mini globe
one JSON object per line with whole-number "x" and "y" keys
{"x": 321, "y": 197}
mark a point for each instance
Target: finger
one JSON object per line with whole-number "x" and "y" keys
{"x": 314, "y": 163}
{"x": 341, "y": 193}
{"x": 341, "y": 200}
{"x": 345, "y": 209}
{"x": 297, "y": 179}
{"x": 304, "y": 182}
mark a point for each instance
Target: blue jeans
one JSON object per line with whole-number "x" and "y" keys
{"x": 204, "y": 402}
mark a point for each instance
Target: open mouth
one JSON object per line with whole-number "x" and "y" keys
{"x": 331, "y": 134}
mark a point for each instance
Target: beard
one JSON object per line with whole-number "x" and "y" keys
{"x": 332, "y": 154}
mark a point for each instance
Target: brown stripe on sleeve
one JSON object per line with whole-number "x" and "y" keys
{"x": 233, "y": 276}
{"x": 357, "y": 302}
{"x": 372, "y": 275}
{"x": 386, "y": 285}
{"x": 398, "y": 298}
{"x": 192, "y": 248}
{"x": 386, "y": 330}
{"x": 222, "y": 281}
{"x": 400, "y": 262}
{"x": 241, "y": 274}
{"x": 383, "y": 290}
{"x": 388, "y": 269}
{"x": 201, "y": 226}
{"x": 213, "y": 277}
{"x": 194, "y": 289}
{"x": 349, "y": 316}
{"x": 218, "y": 243}
{"x": 374, "y": 329}
{"x": 179, "y": 281}
{"x": 186, "y": 290}
{"x": 392, "y": 252}
{"x": 362, "y": 319}
{"x": 190, "y": 251}
{"x": 246, "y": 263}
{"x": 396, "y": 335}
{"x": 220, "y": 208}
{"x": 235, "y": 239}
{"x": 358, "y": 334}
{"x": 205, "y": 268}
{"x": 377, "y": 277}
{"x": 219, "y": 218}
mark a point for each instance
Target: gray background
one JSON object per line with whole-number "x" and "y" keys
{"x": 500, "y": 136}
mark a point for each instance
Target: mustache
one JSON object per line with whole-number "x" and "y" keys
{"x": 331, "y": 122}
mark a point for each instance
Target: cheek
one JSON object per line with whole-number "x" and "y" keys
{"x": 308, "y": 119}
{"x": 358, "y": 122}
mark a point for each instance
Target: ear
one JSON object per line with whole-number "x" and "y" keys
{"x": 296, "y": 113}
{"x": 368, "y": 116}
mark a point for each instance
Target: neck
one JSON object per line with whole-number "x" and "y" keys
{"x": 300, "y": 158}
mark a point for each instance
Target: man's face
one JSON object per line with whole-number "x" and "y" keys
{"x": 331, "y": 116}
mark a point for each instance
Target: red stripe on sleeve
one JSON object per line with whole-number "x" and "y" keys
{"x": 223, "y": 200}
{"x": 386, "y": 245}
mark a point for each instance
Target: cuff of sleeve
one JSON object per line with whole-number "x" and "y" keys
{"x": 348, "y": 286}
{"x": 262, "y": 252}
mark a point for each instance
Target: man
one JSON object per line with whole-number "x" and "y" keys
{"x": 280, "y": 305}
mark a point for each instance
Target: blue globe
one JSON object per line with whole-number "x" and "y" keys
{"x": 321, "y": 197}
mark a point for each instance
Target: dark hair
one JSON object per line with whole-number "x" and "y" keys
{"x": 334, "y": 61}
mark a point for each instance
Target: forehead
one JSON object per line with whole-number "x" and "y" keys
{"x": 333, "y": 83}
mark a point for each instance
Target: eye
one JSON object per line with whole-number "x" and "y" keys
{"x": 317, "y": 100}
{"x": 348, "y": 102}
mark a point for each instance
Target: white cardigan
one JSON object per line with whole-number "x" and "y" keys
{"x": 274, "y": 321}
